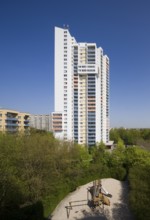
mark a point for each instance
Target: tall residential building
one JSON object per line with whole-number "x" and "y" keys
{"x": 12, "y": 121}
{"x": 42, "y": 122}
{"x": 81, "y": 90}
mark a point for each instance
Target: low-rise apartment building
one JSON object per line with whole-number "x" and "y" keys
{"x": 12, "y": 121}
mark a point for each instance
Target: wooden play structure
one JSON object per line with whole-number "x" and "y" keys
{"x": 97, "y": 196}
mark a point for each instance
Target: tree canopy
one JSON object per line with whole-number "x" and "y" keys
{"x": 37, "y": 171}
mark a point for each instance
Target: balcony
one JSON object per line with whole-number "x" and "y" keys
{"x": 12, "y": 130}
{"x": 12, "y": 119}
{"x": 26, "y": 125}
{"x": 87, "y": 69}
{"x": 11, "y": 124}
{"x": 26, "y": 121}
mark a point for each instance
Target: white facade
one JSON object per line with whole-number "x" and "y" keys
{"x": 81, "y": 90}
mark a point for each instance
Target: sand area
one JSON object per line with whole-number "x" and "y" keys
{"x": 80, "y": 208}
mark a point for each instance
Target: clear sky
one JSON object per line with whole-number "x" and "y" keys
{"x": 120, "y": 27}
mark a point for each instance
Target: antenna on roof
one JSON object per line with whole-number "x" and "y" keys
{"x": 66, "y": 26}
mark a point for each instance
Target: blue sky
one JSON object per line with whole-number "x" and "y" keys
{"x": 120, "y": 27}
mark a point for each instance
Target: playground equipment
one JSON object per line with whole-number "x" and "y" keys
{"x": 99, "y": 194}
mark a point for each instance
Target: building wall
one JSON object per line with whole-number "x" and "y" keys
{"x": 57, "y": 124}
{"x": 42, "y": 122}
{"x": 63, "y": 79}
{"x": 59, "y": 69}
{"x": 13, "y": 121}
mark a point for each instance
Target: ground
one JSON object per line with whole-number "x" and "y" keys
{"x": 118, "y": 209}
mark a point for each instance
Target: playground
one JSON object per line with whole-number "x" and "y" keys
{"x": 100, "y": 199}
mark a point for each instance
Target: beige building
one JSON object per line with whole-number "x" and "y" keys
{"x": 13, "y": 121}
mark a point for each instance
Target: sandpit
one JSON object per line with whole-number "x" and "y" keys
{"x": 118, "y": 209}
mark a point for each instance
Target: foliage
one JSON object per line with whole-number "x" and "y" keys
{"x": 139, "y": 137}
{"x": 140, "y": 191}
{"x": 37, "y": 171}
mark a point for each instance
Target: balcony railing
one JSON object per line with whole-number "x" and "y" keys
{"x": 26, "y": 125}
{"x": 26, "y": 121}
{"x": 12, "y": 119}
{"x": 87, "y": 68}
{"x": 11, "y": 124}
{"x": 11, "y": 129}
